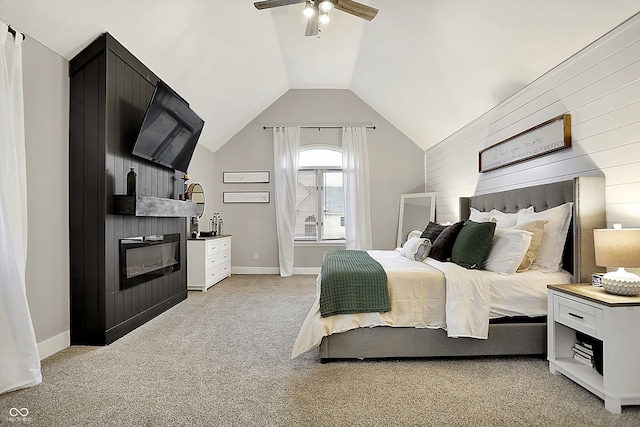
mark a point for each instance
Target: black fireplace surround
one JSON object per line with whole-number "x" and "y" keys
{"x": 145, "y": 258}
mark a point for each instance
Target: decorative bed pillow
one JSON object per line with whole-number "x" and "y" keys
{"x": 411, "y": 246}
{"x": 423, "y": 250}
{"x": 507, "y": 219}
{"x": 477, "y": 216}
{"x": 549, "y": 258}
{"x": 443, "y": 245}
{"x": 473, "y": 244}
{"x": 432, "y": 231}
{"x": 508, "y": 248}
{"x": 501, "y": 218}
{"x": 536, "y": 228}
{"x": 414, "y": 233}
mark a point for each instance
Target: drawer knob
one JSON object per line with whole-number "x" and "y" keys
{"x": 577, "y": 316}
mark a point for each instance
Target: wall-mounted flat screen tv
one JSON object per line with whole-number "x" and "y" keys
{"x": 170, "y": 130}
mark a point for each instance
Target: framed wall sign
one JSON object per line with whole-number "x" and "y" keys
{"x": 245, "y": 197}
{"x": 249, "y": 176}
{"x": 545, "y": 138}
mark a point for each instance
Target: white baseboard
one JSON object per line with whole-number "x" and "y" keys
{"x": 54, "y": 344}
{"x": 306, "y": 270}
{"x": 255, "y": 270}
{"x": 273, "y": 270}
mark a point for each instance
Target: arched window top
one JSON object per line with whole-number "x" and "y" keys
{"x": 320, "y": 155}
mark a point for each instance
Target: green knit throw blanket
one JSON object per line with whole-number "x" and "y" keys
{"x": 352, "y": 282}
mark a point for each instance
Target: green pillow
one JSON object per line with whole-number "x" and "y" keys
{"x": 473, "y": 244}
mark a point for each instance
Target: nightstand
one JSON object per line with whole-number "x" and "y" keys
{"x": 613, "y": 320}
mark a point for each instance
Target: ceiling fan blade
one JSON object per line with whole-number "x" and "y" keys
{"x": 267, "y": 4}
{"x": 358, "y": 9}
{"x": 312, "y": 26}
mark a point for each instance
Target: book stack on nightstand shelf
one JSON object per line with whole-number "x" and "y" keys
{"x": 588, "y": 351}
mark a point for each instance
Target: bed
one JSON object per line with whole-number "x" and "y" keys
{"x": 507, "y": 332}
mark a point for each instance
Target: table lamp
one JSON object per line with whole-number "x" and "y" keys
{"x": 619, "y": 248}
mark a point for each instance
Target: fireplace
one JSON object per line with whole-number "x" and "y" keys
{"x": 145, "y": 258}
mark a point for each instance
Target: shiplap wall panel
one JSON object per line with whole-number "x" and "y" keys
{"x": 600, "y": 88}
{"x": 110, "y": 91}
{"x": 540, "y": 102}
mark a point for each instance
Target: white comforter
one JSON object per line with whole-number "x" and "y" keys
{"x": 433, "y": 294}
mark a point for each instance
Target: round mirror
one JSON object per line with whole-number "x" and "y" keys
{"x": 196, "y": 195}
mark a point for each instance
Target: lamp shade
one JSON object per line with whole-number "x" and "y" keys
{"x": 617, "y": 247}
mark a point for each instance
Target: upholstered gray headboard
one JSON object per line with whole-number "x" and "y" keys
{"x": 588, "y": 197}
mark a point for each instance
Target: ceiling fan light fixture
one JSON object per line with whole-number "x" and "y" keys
{"x": 309, "y": 11}
{"x": 326, "y": 6}
{"x": 324, "y": 18}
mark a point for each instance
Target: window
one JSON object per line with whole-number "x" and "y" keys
{"x": 319, "y": 194}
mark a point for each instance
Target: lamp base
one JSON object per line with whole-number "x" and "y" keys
{"x": 621, "y": 282}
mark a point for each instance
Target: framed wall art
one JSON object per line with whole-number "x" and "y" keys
{"x": 248, "y": 176}
{"x": 245, "y": 197}
{"x": 545, "y": 138}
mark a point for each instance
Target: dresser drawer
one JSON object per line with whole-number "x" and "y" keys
{"x": 578, "y": 315}
{"x": 214, "y": 275}
{"x": 217, "y": 259}
{"x": 218, "y": 245}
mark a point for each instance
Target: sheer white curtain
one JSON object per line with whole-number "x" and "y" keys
{"x": 286, "y": 141}
{"x": 19, "y": 359}
{"x": 355, "y": 168}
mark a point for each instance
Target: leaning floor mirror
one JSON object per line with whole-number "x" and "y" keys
{"x": 416, "y": 210}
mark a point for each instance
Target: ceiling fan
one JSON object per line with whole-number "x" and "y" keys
{"x": 318, "y": 11}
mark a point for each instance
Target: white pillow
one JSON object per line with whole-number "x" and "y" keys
{"x": 423, "y": 251}
{"x": 501, "y": 219}
{"x": 476, "y": 216}
{"x": 410, "y": 247}
{"x": 414, "y": 233}
{"x": 549, "y": 258}
{"x": 508, "y": 249}
{"x": 506, "y": 219}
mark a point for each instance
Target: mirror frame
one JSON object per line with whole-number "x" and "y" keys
{"x": 430, "y": 216}
{"x": 190, "y": 190}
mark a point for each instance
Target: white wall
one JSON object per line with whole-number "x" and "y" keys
{"x": 396, "y": 167}
{"x": 600, "y": 88}
{"x": 46, "y": 104}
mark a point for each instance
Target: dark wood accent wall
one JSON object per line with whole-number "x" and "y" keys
{"x": 110, "y": 91}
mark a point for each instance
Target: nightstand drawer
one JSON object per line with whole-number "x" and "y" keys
{"x": 578, "y": 315}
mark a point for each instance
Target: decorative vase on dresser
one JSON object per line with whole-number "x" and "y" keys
{"x": 208, "y": 261}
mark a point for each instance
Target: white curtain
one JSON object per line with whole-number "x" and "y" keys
{"x": 286, "y": 141}
{"x": 355, "y": 169}
{"x": 19, "y": 358}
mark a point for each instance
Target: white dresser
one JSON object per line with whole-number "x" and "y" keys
{"x": 208, "y": 261}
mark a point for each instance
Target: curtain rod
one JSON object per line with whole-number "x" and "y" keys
{"x": 319, "y": 127}
{"x": 15, "y": 33}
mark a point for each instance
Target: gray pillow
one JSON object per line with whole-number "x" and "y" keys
{"x": 432, "y": 231}
{"x": 473, "y": 244}
{"x": 442, "y": 246}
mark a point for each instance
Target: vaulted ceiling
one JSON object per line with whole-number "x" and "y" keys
{"x": 428, "y": 66}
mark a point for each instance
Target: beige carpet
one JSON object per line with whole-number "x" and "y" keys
{"x": 222, "y": 358}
